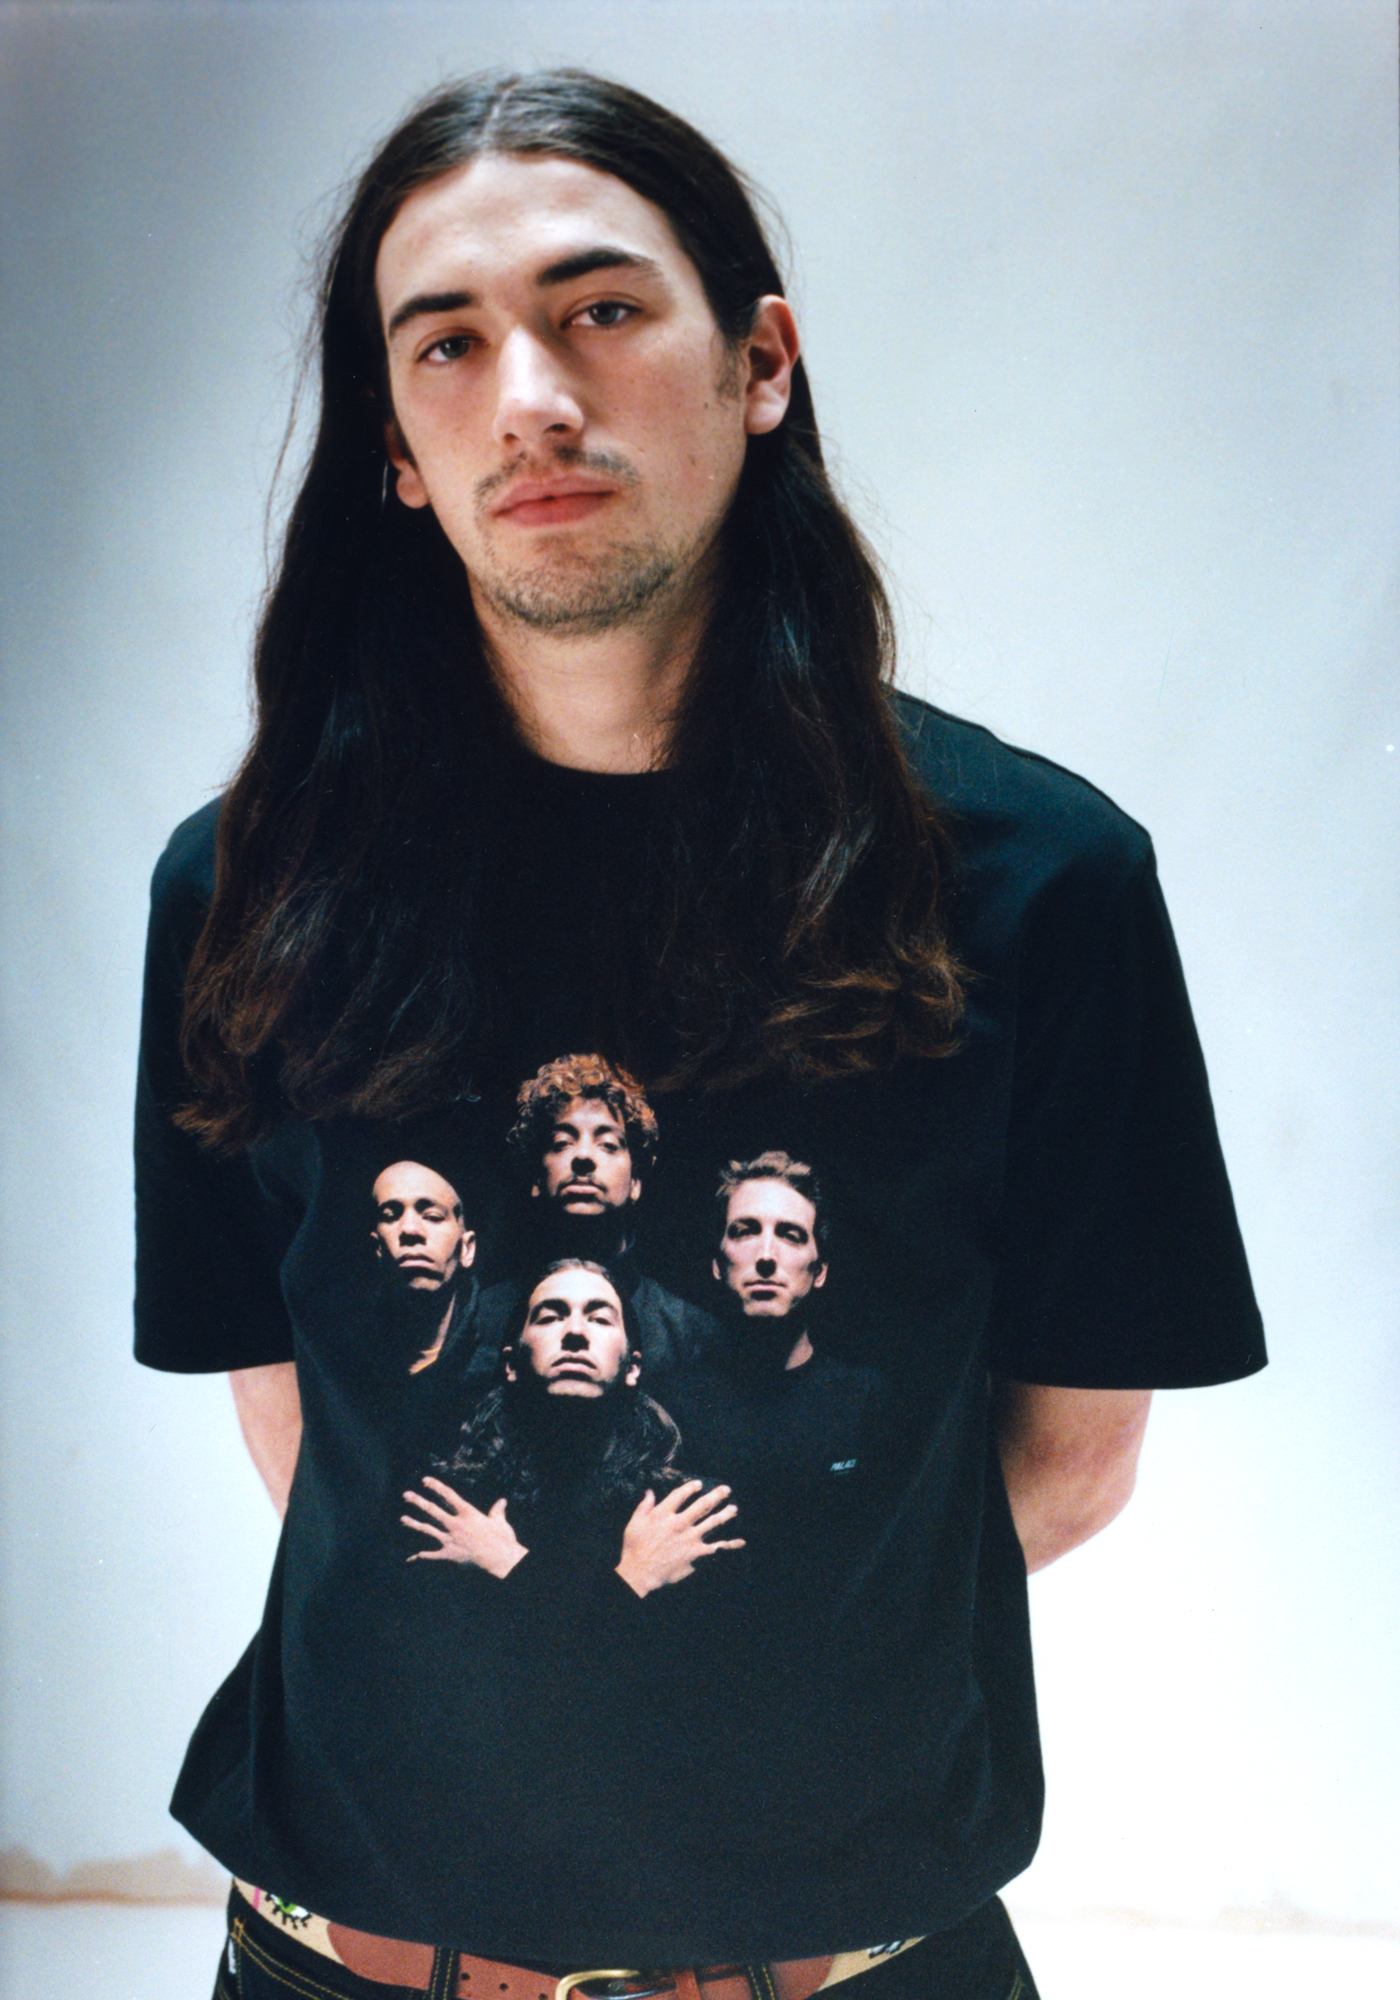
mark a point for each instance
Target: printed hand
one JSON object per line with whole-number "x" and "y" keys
{"x": 463, "y": 1533}
{"x": 665, "y": 1539}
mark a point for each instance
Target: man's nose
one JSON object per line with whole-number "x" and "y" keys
{"x": 535, "y": 402}
{"x": 583, "y": 1163}
{"x": 767, "y": 1265}
{"x": 575, "y": 1337}
{"x": 411, "y": 1234}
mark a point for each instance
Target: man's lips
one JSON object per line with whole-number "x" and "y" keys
{"x": 537, "y": 502}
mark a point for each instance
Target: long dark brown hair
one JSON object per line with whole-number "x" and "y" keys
{"x": 791, "y": 907}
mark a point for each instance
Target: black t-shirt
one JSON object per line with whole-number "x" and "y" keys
{"x": 1049, "y": 1204}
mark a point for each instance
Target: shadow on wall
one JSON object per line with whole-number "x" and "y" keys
{"x": 165, "y": 1876}
{"x": 161, "y": 1877}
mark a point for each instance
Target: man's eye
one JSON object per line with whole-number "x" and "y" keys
{"x": 607, "y": 312}
{"x": 451, "y": 347}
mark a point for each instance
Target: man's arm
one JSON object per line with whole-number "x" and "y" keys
{"x": 1069, "y": 1457}
{"x": 269, "y": 1413}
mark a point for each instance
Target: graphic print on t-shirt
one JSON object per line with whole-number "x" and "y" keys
{"x": 425, "y": 1251}
{"x": 829, "y": 1732}
{"x": 627, "y": 1430}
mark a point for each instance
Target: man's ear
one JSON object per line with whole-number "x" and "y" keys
{"x": 819, "y": 1276}
{"x": 634, "y": 1373}
{"x": 467, "y": 1254}
{"x": 409, "y": 485}
{"x": 770, "y": 355}
{"x": 714, "y": 1266}
{"x": 510, "y": 1374}
{"x": 635, "y": 1190}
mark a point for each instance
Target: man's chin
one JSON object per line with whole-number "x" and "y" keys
{"x": 582, "y": 592}
{"x": 575, "y": 1385}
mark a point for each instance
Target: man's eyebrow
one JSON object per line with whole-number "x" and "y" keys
{"x": 602, "y": 257}
{"x": 424, "y": 303}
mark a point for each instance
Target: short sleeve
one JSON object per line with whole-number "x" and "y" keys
{"x": 209, "y": 1237}
{"x": 1120, "y": 1263}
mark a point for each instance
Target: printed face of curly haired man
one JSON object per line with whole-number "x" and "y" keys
{"x": 587, "y": 1165}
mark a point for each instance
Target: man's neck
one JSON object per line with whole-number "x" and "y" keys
{"x": 765, "y": 1346}
{"x": 603, "y": 701}
{"x": 604, "y": 1239}
{"x": 568, "y": 1436}
{"x": 427, "y": 1319}
{"x": 800, "y": 1353}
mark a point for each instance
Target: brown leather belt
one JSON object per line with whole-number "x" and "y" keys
{"x": 460, "y": 1976}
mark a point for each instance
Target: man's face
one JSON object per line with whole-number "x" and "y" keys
{"x": 564, "y": 400}
{"x": 418, "y": 1226}
{"x": 768, "y": 1255}
{"x": 587, "y": 1166}
{"x": 574, "y": 1339}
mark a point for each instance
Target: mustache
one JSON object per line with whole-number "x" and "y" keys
{"x": 568, "y": 458}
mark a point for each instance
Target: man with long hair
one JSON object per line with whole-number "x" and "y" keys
{"x": 567, "y": 1447}
{"x": 576, "y": 730}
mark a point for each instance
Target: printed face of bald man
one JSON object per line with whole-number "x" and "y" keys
{"x": 418, "y": 1226}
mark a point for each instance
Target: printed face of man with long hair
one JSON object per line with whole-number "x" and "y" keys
{"x": 587, "y": 1165}
{"x": 418, "y": 1227}
{"x": 768, "y": 1255}
{"x": 574, "y": 1339}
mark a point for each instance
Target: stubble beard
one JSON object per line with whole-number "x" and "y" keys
{"x": 577, "y": 593}
{"x": 581, "y": 596}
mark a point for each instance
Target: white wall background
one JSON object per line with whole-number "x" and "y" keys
{"x": 1100, "y": 299}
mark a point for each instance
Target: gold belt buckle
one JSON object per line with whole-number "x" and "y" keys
{"x": 572, "y": 1979}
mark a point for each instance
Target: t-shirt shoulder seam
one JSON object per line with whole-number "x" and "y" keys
{"x": 913, "y": 710}
{"x": 187, "y": 859}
